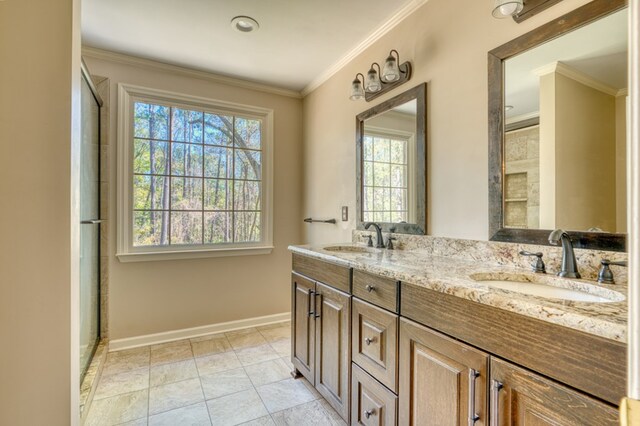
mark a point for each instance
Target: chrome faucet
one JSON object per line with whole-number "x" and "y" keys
{"x": 379, "y": 239}
{"x": 569, "y": 265}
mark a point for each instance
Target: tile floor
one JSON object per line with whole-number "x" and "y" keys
{"x": 241, "y": 377}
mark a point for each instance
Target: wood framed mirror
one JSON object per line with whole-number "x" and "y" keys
{"x": 391, "y": 158}
{"x": 560, "y": 176}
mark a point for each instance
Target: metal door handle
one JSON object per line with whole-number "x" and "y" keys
{"x": 91, "y": 222}
{"x": 368, "y": 413}
{"x": 369, "y": 288}
{"x": 315, "y": 312}
{"x": 473, "y": 416}
{"x": 368, "y": 340}
{"x": 309, "y": 296}
{"x": 496, "y": 386}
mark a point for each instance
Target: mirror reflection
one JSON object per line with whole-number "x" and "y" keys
{"x": 565, "y": 131}
{"x": 391, "y": 164}
{"x": 389, "y": 152}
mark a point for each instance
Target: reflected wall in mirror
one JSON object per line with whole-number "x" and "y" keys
{"x": 391, "y": 159}
{"x": 558, "y": 130}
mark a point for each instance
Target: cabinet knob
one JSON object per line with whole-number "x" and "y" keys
{"x": 369, "y": 288}
{"x": 369, "y": 413}
{"x": 368, "y": 340}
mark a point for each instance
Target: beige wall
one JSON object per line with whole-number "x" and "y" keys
{"x": 548, "y": 151}
{"x": 153, "y": 297}
{"x": 621, "y": 164}
{"x": 585, "y": 136}
{"x": 39, "y": 89}
{"x": 447, "y": 42}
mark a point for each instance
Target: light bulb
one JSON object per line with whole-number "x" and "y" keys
{"x": 390, "y": 71}
{"x": 357, "y": 92}
{"x": 372, "y": 84}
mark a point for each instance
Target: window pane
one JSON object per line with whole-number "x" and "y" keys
{"x": 398, "y": 199}
{"x": 144, "y": 150}
{"x": 150, "y": 228}
{"x": 398, "y": 152}
{"x": 382, "y": 217}
{"x": 247, "y": 226}
{"x": 380, "y": 199}
{"x": 381, "y": 174}
{"x": 368, "y": 198}
{"x": 186, "y": 227}
{"x": 367, "y": 216}
{"x": 367, "y": 148}
{"x": 186, "y": 194}
{"x": 217, "y": 195}
{"x": 247, "y": 165}
{"x": 186, "y": 125}
{"x": 151, "y": 121}
{"x": 247, "y": 133}
{"x": 399, "y": 176}
{"x": 218, "y": 129}
{"x": 149, "y": 192}
{"x": 398, "y": 217}
{"x": 368, "y": 173}
{"x": 217, "y": 162}
{"x": 381, "y": 149}
{"x": 217, "y": 227}
{"x": 186, "y": 159}
{"x": 247, "y": 195}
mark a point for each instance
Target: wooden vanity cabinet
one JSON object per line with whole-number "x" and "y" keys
{"x": 442, "y": 381}
{"x": 520, "y": 397}
{"x": 320, "y": 344}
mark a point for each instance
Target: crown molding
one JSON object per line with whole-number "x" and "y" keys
{"x": 107, "y": 55}
{"x": 387, "y": 26}
{"x": 522, "y": 117}
{"x": 580, "y": 77}
{"x": 623, "y": 92}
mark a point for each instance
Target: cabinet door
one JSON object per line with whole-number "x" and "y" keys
{"x": 333, "y": 333}
{"x": 303, "y": 325}
{"x": 442, "y": 381}
{"x": 520, "y": 397}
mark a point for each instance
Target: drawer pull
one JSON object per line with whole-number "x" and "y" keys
{"x": 369, "y": 288}
{"x": 316, "y": 314}
{"x": 369, "y": 413}
{"x": 496, "y": 386}
{"x": 473, "y": 416}
{"x": 368, "y": 340}
{"x": 310, "y": 304}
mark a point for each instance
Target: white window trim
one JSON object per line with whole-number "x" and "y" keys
{"x": 409, "y": 137}
{"x": 126, "y": 252}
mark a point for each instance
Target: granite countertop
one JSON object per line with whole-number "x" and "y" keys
{"x": 452, "y": 276}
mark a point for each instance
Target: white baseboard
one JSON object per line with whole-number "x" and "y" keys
{"x": 187, "y": 333}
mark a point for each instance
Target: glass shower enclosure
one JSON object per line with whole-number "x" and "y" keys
{"x": 90, "y": 223}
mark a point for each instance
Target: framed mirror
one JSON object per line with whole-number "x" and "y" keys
{"x": 391, "y": 163}
{"x": 557, "y": 130}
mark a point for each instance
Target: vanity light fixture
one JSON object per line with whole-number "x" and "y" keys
{"x": 244, "y": 24}
{"x": 507, "y": 8}
{"x": 378, "y": 82}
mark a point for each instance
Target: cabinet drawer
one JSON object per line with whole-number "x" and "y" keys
{"x": 374, "y": 345}
{"x": 380, "y": 291}
{"x": 520, "y": 397}
{"x": 333, "y": 275}
{"x": 371, "y": 403}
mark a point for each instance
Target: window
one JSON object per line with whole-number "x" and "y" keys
{"x": 195, "y": 176}
{"x": 387, "y": 187}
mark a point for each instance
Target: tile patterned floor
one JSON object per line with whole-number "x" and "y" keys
{"x": 236, "y": 378}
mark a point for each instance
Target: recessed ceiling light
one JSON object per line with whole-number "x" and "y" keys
{"x": 508, "y": 108}
{"x": 244, "y": 24}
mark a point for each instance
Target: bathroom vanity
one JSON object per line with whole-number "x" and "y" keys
{"x": 419, "y": 337}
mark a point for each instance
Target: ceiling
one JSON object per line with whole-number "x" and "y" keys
{"x": 598, "y": 50}
{"x": 298, "y": 40}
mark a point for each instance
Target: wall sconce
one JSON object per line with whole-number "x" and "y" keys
{"x": 378, "y": 82}
{"x": 507, "y": 8}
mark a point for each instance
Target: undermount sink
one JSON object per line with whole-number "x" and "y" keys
{"x": 549, "y": 287}
{"x": 350, "y": 249}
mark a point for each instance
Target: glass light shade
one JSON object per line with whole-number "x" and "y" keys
{"x": 372, "y": 83}
{"x": 390, "y": 70}
{"x": 506, "y": 8}
{"x": 357, "y": 92}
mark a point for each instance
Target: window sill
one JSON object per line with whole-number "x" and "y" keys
{"x": 192, "y": 254}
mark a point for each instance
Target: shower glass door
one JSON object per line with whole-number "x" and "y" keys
{"x": 89, "y": 227}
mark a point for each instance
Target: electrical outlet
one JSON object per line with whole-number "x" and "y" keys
{"x": 345, "y": 213}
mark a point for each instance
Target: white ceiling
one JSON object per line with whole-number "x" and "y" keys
{"x": 598, "y": 50}
{"x": 297, "y": 42}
